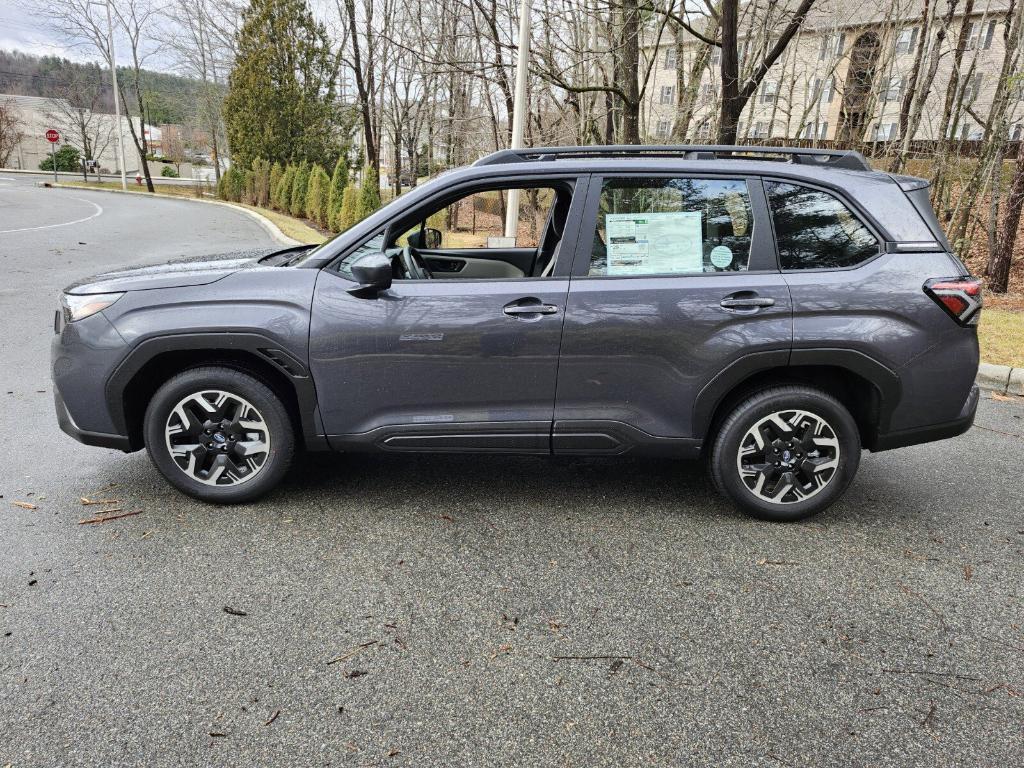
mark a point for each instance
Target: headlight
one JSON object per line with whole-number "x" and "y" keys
{"x": 78, "y": 307}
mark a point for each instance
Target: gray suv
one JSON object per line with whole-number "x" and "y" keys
{"x": 774, "y": 311}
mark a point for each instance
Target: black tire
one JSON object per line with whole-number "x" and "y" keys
{"x": 274, "y": 431}
{"x": 795, "y": 463}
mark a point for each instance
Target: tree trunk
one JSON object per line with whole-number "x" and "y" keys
{"x": 627, "y": 74}
{"x": 732, "y": 104}
{"x": 998, "y": 268}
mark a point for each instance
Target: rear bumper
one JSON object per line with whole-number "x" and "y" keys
{"x": 100, "y": 439}
{"x": 932, "y": 432}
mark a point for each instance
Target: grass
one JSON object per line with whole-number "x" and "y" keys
{"x": 289, "y": 225}
{"x": 1001, "y": 335}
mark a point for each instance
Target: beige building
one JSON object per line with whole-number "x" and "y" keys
{"x": 843, "y": 77}
{"x": 38, "y": 114}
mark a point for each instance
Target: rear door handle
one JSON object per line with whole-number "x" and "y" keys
{"x": 530, "y": 309}
{"x": 752, "y": 303}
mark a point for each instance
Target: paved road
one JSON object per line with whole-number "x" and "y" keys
{"x": 490, "y": 611}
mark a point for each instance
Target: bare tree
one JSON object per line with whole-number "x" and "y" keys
{"x": 12, "y": 131}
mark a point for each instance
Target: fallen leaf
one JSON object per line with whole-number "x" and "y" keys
{"x": 356, "y": 673}
{"x": 87, "y": 502}
{"x": 24, "y": 505}
{"x": 234, "y": 611}
{"x": 968, "y": 572}
{"x": 273, "y": 717}
{"x": 1001, "y": 398}
{"x": 777, "y": 562}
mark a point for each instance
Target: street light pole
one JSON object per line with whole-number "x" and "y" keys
{"x": 117, "y": 97}
{"x": 519, "y": 111}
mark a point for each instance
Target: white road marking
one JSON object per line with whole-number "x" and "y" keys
{"x": 99, "y": 212}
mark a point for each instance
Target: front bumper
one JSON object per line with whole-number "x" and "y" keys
{"x": 932, "y": 432}
{"x": 100, "y": 439}
{"x": 83, "y": 355}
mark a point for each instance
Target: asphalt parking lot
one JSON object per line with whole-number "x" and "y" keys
{"x": 415, "y": 611}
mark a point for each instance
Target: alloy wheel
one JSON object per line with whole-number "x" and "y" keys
{"x": 217, "y": 438}
{"x": 788, "y": 456}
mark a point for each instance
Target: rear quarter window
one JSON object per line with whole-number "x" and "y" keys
{"x": 815, "y": 230}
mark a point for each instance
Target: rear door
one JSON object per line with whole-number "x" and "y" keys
{"x": 675, "y": 280}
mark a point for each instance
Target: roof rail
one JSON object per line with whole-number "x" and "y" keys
{"x": 833, "y": 158}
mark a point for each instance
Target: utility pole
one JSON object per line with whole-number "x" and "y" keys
{"x": 519, "y": 111}
{"x": 117, "y": 93}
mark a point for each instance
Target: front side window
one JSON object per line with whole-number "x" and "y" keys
{"x": 814, "y": 230}
{"x": 672, "y": 226}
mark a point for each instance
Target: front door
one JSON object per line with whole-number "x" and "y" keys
{"x": 459, "y": 363}
{"x": 675, "y": 281}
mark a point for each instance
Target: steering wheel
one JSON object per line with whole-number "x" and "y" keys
{"x": 413, "y": 264}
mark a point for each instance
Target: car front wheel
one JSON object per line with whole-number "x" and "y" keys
{"x": 219, "y": 435}
{"x": 786, "y": 453}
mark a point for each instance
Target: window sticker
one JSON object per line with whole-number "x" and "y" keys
{"x": 721, "y": 256}
{"x": 654, "y": 243}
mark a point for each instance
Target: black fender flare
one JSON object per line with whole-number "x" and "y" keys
{"x": 883, "y": 378}
{"x": 261, "y": 347}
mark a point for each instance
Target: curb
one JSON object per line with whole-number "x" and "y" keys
{"x": 272, "y": 229}
{"x": 1001, "y": 379}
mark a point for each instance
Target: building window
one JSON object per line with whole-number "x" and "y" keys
{"x": 892, "y": 89}
{"x": 832, "y": 45}
{"x": 668, "y": 94}
{"x": 885, "y": 131}
{"x": 815, "y": 131}
{"x": 980, "y": 34}
{"x": 769, "y": 91}
{"x": 1017, "y": 133}
{"x": 823, "y": 130}
{"x": 972, "y": 88}
{"x": 716, "y": 55}
{"x": 906, "y": 40}
{"x": 707, "y": 90}
{"x": 825, "y": 91}
{"x": 762, "y": 130}
{"x": 670, "y": 58}
{"x": 664, "y": 128}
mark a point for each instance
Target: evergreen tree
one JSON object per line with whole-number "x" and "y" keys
{"x": 318, "y": 196}
{"x": 281, "y": 92}
{"x": 276, "y": 172}
{"x": 300, "y": 184}
{"x": 347, "y": 212}
{"x": 261, "y": 184}
{"x": 339, "y": 180}
{"x": 284, "y": 189}
{"x": 369, "y": 195}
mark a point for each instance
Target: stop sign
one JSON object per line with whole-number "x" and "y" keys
{"x": 52, "y": 136}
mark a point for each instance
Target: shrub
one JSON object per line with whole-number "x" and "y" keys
{"x": 300, "y": 185}
{"x": 276, "y": 172}
{"x": 339, "y": 180}
{"x": 232, "y": 184}
{"x": 369, "y": 195}
{"x": 261, "y": 182}
{"x": 284, "y": 189}
{"x": 67, "y": 158}
{"x": 169, "y": 172}
{"x": 318, "y": 196}
{"x": 347, "y": 212}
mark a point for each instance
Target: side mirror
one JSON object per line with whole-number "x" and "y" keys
{"x": 373, "y": 273}
{"x": 431, "y": 238}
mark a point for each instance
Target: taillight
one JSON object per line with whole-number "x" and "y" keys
{"x": 959, "y": 296}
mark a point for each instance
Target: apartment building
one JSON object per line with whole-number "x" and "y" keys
{"x": 843, "y": 77}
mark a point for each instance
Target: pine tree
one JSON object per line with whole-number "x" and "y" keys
{"x": 369, "y": 195}
{"x": 339, "y": 180}
{"x": 300, "y": 185}
{"x": 280, "y": 103}
{"x": 261, "y": 185}
{"x": 347, "y": 212}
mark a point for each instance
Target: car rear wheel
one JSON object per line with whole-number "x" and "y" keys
{"x": 219, "y": 435}
{"x": 786, "y": 453}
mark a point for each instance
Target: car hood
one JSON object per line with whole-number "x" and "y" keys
{"x": 174, "y": 274}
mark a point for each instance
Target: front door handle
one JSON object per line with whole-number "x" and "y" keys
{"x": 751, "y": 303}
{"x": 517, "y": 309}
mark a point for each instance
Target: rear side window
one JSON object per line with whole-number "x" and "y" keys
{"x": 672, "y": 226}
{"x": 814, "y": 230}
